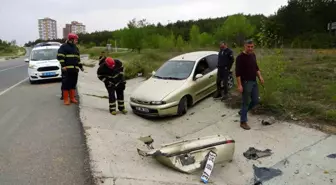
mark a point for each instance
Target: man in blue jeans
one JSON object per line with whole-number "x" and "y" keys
{"x": 247, "y": 71}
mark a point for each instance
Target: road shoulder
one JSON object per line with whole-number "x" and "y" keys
{"x": 112, "y": 141}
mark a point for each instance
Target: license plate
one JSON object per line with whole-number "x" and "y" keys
{"x": 142, "y": 109}
{"x": 48, "y": 74}
{"x": 208, "y": 167}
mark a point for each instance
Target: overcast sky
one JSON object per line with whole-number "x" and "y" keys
{"x": 18, "y": 18}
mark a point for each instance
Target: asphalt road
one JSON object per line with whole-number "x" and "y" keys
{"x": 41, "y": 140}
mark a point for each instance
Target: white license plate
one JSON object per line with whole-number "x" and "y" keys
{"x": 142, "y": 109}
{"x": 208, "y": 167}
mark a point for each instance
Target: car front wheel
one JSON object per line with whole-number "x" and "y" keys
{"x": 31, "y": 82}
{"x": 182, "y": 106}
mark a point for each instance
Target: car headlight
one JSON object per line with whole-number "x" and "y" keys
{"x": 31, "y": 66}
{"x": 157, "y": 102}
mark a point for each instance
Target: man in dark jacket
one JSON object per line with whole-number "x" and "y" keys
{"x": 102, "y": 57}
{"x": 247, "y": 71}
{"x": 225, "y": 61}
{"x": 69, "y": 57}
{"x": 111, "y": 72}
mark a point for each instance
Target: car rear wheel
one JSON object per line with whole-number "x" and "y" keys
{"x": 182, "y": 106}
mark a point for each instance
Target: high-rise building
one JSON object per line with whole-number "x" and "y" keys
{"x": 47, "y": 29}
{"x": 74, "y": 27}
{"x": 66, "y": 30}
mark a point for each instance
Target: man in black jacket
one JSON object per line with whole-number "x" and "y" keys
{"x": 225, "y": 61}
{"x": 69, "y": 57}
{"x": 111, "y": 72}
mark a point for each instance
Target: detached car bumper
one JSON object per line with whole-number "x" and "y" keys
{"x": 168, "y": 109}
{"x": 35, "y": 74}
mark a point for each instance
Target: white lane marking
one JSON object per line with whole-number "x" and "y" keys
{"x": 11, "y": 87}
{"x": 12, "y": 67}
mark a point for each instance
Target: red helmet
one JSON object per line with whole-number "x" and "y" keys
{"x": 110, "y": 62}
{"x": 72, "y": 36}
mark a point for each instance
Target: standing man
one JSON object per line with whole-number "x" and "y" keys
{"x": 111, "y": 72}
{"x": 69, "y": 57}
{"x": 102, "y": 57}
{"x": 246, "y": 72}
{"x": 225, "y": 61}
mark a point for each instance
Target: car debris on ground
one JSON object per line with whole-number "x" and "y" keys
{"x": 333, "y": 156}
{"x": 254, "y": 154}
{"x": 188, "y": 156}
{"x": 262, "y": 174}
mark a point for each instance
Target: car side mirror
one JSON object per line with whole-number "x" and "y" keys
{"x": 198, "y": 76}
{"x": 153, "y": 73}
{"x": 26, "y": 60}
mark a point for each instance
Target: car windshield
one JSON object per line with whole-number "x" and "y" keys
{"x": 44, "y": 54}
{"x": 175, "y": 70}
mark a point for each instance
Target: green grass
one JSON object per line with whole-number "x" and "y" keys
{"x": 12, "y": 52}
{"x": 298, "y": 82}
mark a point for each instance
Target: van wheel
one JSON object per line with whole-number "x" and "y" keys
{"x": 31, "y": 82}
{"x": 182, "y": 106}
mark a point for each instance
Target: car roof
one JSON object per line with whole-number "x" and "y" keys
{"x": 42, "y": 44}
{"x": 45, "y": 47}
{"x": 193, "y": 56}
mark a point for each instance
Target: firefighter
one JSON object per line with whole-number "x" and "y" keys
{"x": 111, "y": 72}
{"x": 69, "y": 57}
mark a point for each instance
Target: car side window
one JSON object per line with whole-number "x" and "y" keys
{"x": 202, "y": 67}
{"x": 212, "y": 61}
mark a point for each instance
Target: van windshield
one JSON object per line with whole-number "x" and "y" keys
{"x": 44, "y": 54}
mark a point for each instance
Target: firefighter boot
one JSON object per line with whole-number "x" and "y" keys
{"x": 124, "y": 111}
{"x": 72, "y": 96}
{"x": 66, "y": 97}
{"x": 112, "y": 108}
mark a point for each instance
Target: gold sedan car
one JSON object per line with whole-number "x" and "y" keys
{"x": 178, "y": 84}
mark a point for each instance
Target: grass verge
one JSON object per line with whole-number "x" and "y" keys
{"x": 12, "y": 52}
{"x": 300, "y": 84}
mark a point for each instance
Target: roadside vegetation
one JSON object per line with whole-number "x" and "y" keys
{"x": 10, "y": 50}
{"x": 295, "y": 51}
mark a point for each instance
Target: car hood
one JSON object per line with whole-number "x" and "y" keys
{"x": 156, "y": 89}
{"x": 44, "y": 63}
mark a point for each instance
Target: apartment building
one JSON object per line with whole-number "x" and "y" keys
{"x": 47, "y": 29}
{"x": 74, "y": 27}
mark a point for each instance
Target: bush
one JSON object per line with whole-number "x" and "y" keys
{"x": 144, "y": 63}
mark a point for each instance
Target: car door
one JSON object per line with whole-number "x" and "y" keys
{"x": 201, "y": 86}
{"x": 212, "y": 62}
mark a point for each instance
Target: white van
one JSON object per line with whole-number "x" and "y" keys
{"x": 43, "y": 63}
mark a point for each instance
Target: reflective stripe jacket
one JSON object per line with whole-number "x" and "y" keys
{"x": 69, "y": 57}
{"x": 115, "y": 75}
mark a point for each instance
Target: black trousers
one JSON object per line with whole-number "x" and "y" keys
{"x": 70, "y": 79}
{"x": 116, "y": 95}
{"x": 222, "y": 81}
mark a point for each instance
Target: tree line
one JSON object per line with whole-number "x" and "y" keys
{"x": 299, "y": 24}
